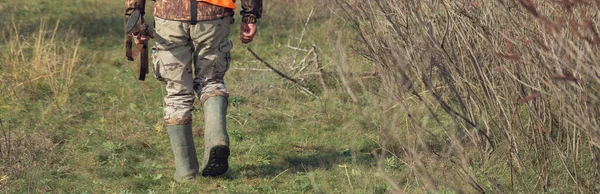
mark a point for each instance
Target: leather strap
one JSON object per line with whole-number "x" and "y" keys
{"x": 136, "y": 51}
{"x": 194, "y": 12}
{"x": 128, "y": 47}
{"x": 143, "y": 70}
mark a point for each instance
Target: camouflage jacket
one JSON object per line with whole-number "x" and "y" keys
{"x": 180, "y": 10}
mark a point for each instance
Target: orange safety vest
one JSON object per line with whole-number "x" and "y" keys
{"x": 223, "y": 3}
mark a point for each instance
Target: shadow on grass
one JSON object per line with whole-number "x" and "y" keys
{"x": 301, "y": 161}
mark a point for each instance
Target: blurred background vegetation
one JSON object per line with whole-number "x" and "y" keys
{"x": 393, "y": 97}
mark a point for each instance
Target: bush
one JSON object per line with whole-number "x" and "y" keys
{"x": 499, "y": 96}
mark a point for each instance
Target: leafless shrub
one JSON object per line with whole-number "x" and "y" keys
{"x": 512, "y": 88}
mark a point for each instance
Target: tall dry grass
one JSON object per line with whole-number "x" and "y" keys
{"x": 38, "y": 75}
{"x": 39, "y": 60}
{"x": 486, "y": 96}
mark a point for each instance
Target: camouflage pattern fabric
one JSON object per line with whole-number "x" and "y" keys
{"x": 177, "y": 44}
{"x": 251, "y": 10}
{"x": 180, "y": 10}
{"x": 131, "y": 5}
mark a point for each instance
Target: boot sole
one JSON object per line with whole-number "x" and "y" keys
{"x": 217, "y": 161}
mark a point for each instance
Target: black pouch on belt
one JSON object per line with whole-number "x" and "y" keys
{"x": 194, "y": 12}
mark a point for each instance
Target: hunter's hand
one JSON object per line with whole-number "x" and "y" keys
{"x": 247, "y": 32}
{"x": 140, "y": 38}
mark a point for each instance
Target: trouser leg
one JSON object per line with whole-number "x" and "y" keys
{"x": 172, "y": 60}
{"x": 211, "y": 63}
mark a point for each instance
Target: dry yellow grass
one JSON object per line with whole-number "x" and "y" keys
{"x": 511, "y": 89}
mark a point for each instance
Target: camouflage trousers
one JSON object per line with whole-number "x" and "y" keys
{"x": 190, "y": 59}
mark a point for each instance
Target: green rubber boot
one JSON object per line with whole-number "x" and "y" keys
{"x": 186, "y": 161}
{"x": 216, "y": 140}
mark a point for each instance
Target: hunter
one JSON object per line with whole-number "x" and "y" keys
{"x": 192, "y": 55}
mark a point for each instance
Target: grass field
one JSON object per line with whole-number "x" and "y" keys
{"x": 75, "y": 119}
{"x": 410, "y": 101}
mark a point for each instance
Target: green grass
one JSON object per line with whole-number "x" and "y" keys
{"x": 74, "y": 118}
{"x": 107, "y": 137}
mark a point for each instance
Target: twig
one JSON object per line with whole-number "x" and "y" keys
{"x": 281, "y": 73}
{"x": 303, "y": 61}
{"x": 279, "y": 175}
{"x": 347, "y": 176}
{"x": 389, "y": 179}
{"x": 347, "y": 74}
{"x": 248, "y": 69}
{"x": 318, "y": 51}
{"x": 296, "y": 48}
{"x": 302, "y": 34}
{"x": 341, "y": 65}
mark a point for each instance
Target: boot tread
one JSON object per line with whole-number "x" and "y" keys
{"x": 217, "y": 163}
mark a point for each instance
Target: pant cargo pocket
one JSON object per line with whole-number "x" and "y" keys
{"x": 156, "y": 64}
